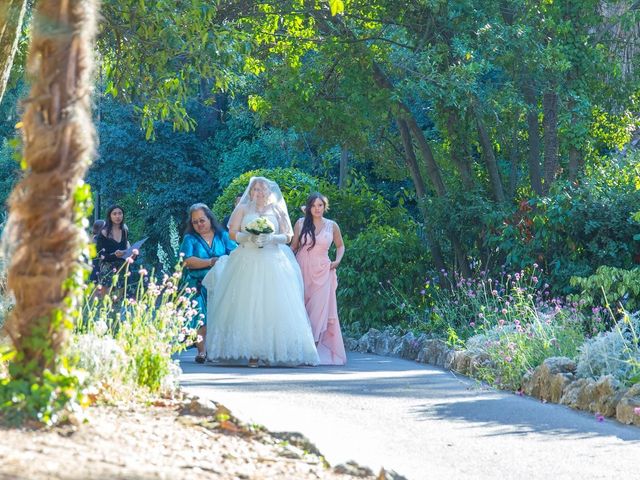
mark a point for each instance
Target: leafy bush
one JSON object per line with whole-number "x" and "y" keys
{"x": 355, "y": 207}
{"x": 294, "y": 184}
{"x": 610, "y": 285}
{"x": 381, "y": 275}
{"x": 47, "y": 400}
{"x": 616, "y": 352}
{"x": 576, "y": 228}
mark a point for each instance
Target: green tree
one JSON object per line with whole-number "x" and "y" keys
{"x": 153, "y": 181}
{"x": 12, "y": 14}
{"x": 482, "y": 78}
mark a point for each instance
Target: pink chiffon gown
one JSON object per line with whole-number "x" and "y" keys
{"x": 320, "y": 284}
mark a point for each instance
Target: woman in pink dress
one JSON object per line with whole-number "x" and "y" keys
{"x": 312, "y": 237}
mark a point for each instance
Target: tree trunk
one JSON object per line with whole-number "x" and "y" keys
{"x": 436, "y": 179}
{"x": 575, "y": 160}
{"x": 533, "y": 130}
{"x": 509, "y": 12}
{"x": 550, "y": 123}
{"x": 513, "y": 158}
{"x": 421, "y": 193}
{"x": 344, "y": 168}
{"x": 453, "y": 122}
{"x": 59, "y": 142}
{"x": 430, "y": 164}
{"x": 429, "y": 161}
{"x": 431, "y": 167}
{"x": 11, "y": 17}
{"x": 574, "y": 164}
{"x": 489, "y": 159}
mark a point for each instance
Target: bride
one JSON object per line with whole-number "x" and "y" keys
{"x": 256, "y": 303}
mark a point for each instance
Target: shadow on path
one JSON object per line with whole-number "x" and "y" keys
{"x": 433, "y": 394}
{"x": 519, "y": 417}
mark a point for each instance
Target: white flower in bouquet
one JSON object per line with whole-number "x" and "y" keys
{"x": 260, "y": 225}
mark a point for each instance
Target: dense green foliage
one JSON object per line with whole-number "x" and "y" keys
{"x": 151, "y": 180}
{"x": 466, "y": 136}
{"x": 576, "y": 228}
{"x": 294, "y": 84}
{"x": 487, "y": 84}
{"x": 381, "y": 276}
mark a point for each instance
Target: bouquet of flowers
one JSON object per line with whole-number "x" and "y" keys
{"x": 260, "y": 225}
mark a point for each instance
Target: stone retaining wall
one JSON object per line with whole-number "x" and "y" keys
{"x": 553, "y": 381}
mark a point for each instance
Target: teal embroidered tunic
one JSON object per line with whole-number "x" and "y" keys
{"x": 194, "y": 245}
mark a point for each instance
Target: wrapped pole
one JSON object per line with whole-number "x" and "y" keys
{"x": 59, "y": 143}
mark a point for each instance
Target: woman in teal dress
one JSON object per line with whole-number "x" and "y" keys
{"x": 205, "y": 241}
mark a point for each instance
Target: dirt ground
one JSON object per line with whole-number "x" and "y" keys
{"x": 177, "y": 439}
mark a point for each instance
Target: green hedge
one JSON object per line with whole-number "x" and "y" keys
{"x": 385, "y": 261}
{"x": 381, "y": 276}
{"x": 355, "y": 207}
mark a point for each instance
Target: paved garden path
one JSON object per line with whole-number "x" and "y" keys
{"x": 422, "y": 421}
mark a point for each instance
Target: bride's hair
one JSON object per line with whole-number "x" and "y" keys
{"x": 308, "y": 228}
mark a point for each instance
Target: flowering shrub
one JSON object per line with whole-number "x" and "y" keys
{"x": 513, "y": 320}
{"x": 517, "y": 348}
{"x": 143, "y": 331}
{"x": 482, "y": 302}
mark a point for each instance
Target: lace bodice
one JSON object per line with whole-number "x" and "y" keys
{"x": 324, "y": 239}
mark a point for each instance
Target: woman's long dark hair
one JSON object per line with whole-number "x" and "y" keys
{"x": 308, "y": 228}
{"x": 108, "y": 226}
{"x": 215, "y": 224}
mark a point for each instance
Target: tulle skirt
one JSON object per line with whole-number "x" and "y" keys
{"x": 256, "y": 309}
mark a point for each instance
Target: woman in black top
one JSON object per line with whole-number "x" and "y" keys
{"x": 111, "y": 244}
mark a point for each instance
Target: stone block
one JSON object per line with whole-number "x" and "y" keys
{"x": 628, "y": 408}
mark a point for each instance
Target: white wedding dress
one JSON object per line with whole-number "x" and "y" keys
{"x": 256, "y": 307}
